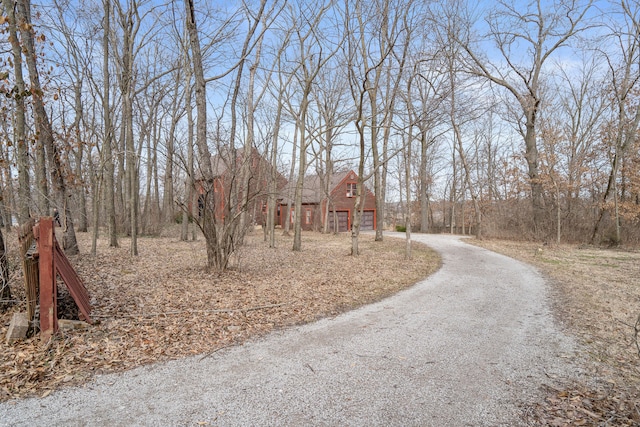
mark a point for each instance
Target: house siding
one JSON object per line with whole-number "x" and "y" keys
{"x": 342, "y": 203}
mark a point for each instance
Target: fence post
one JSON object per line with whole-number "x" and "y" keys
{"x": 48, "y": 294}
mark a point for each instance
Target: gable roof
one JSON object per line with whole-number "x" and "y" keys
{"x": 312, "y": 190}
{"x": 221, "y": 162}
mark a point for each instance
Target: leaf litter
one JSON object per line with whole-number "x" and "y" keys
{"x": 164, "y": 304}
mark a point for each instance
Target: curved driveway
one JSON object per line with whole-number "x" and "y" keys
{"x": 461, "y": 348}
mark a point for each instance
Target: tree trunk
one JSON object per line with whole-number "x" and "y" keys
{"x": 107, "y": 160}
{"x": 188, "y": 211}
{"x": 81, "y": 200}
{"x": 208, "y": 220}
{"x": 97, "y": 178}
{"x": 407, "y": 177}
{"x": 273, "y": 181}
{"x": 69, "y": 242}
{"x": 531, "y": 155}
{"x": 22, "y": 152}
{"x": 5, "y": 290}
{"x": 167, "y": 196}
{"x": 290, "y": 189}
{"x": 424, "y": 193}
{"x": 297, "y": 220}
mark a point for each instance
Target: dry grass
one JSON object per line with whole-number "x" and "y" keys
{"x": 164, "y": 305}
{"x": 596, "y": 296}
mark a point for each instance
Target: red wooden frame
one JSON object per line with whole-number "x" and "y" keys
{"x": 43, "y": 232}
{"x": 53, "y": 262}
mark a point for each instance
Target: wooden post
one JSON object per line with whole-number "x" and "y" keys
{"x": 48, "y": 303}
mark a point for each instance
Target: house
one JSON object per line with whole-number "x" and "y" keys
{"x": 340, "y": 203}
{"x": 227, "y": 169}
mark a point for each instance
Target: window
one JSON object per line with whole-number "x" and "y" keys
{"x": 307, "y": 216}
{"x": 352, "y": 189}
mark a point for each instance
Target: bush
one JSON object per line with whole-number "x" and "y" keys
{"x": 401, "y": 228}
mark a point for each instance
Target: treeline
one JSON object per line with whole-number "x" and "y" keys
{"x": 516, "y": 120}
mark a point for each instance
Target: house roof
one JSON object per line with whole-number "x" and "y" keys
{"x": 312, "y": 190}
{"x": 221, "y": 161}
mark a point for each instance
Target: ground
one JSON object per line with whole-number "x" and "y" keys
{"x": 595, "y": 297}
{"x": 164, "y": 305}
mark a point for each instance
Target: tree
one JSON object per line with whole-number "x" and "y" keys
{"x": 18, "y": 95}
{"x": 539, "y": 32}
{"x": 107, "y": 163}
{"x": 208, "y": 215}
{"x": 366, "y": 71}
{"x": 381, "y": 34}
{"x": 451, "y": 57}
{"x": 45, "y": 131}
{"x": 424, "y": 100}
{"x": 5, "y": 290}
{"x": 273, "y": 181}
{"x": 220, "y": 225}
{"x": 187, "y": 210}
{"x": 333, "y": 115}
{"x": 359, "y": 72}
{"x": 130, "y": 24}
{"x": 72, "y": 45}
{"x": 624, "y": 77}
{"x": 311, "y": 59}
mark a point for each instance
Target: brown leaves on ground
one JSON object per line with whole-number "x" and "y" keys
{"x": 164, "y": 305}
{"x": 596, "y": 296}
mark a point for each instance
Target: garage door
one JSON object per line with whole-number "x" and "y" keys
{"x": 367, "y": 220}
{"x": 343, "y": 221}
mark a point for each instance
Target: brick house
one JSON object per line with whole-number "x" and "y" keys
{"x": 340, "y": 202}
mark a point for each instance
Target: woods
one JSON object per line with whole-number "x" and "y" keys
{"x": 514, "y": 119}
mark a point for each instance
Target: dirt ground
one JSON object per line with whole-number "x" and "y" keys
{"x": 164, "y": 305}
{"x": 596, "y": 297}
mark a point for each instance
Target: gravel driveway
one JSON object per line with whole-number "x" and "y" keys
{"x": 461, "y": 348}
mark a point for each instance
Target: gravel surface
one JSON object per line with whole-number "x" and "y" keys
{"x": 464, "y": 347}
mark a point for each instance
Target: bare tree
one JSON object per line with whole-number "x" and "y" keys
{"x": 220, "y": 224}
{"x": 275, "y": 145}
{"x": 538, "y": 31}
{"x": 365, "y": 69}
{"x": 208, "y": 220}
{"x": 424, "y": 99}
{"x": 451, "y": 58}
{"x": 129, "y": 22}
{"x": 311, "y": 59}
{"x": 360, "y": 73}
{"x": 73, "y": 47}
{"x": 187, "y": 210}
{"x": 45, "y": 130}
{"x": 177, "y": 102}
{"x": 107, "y": 153}
{"x": 18, "y": 96}
{"x": 389, "y": 26}
{"x": 334, "y": 114}
{"x": 624, "y": 77}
